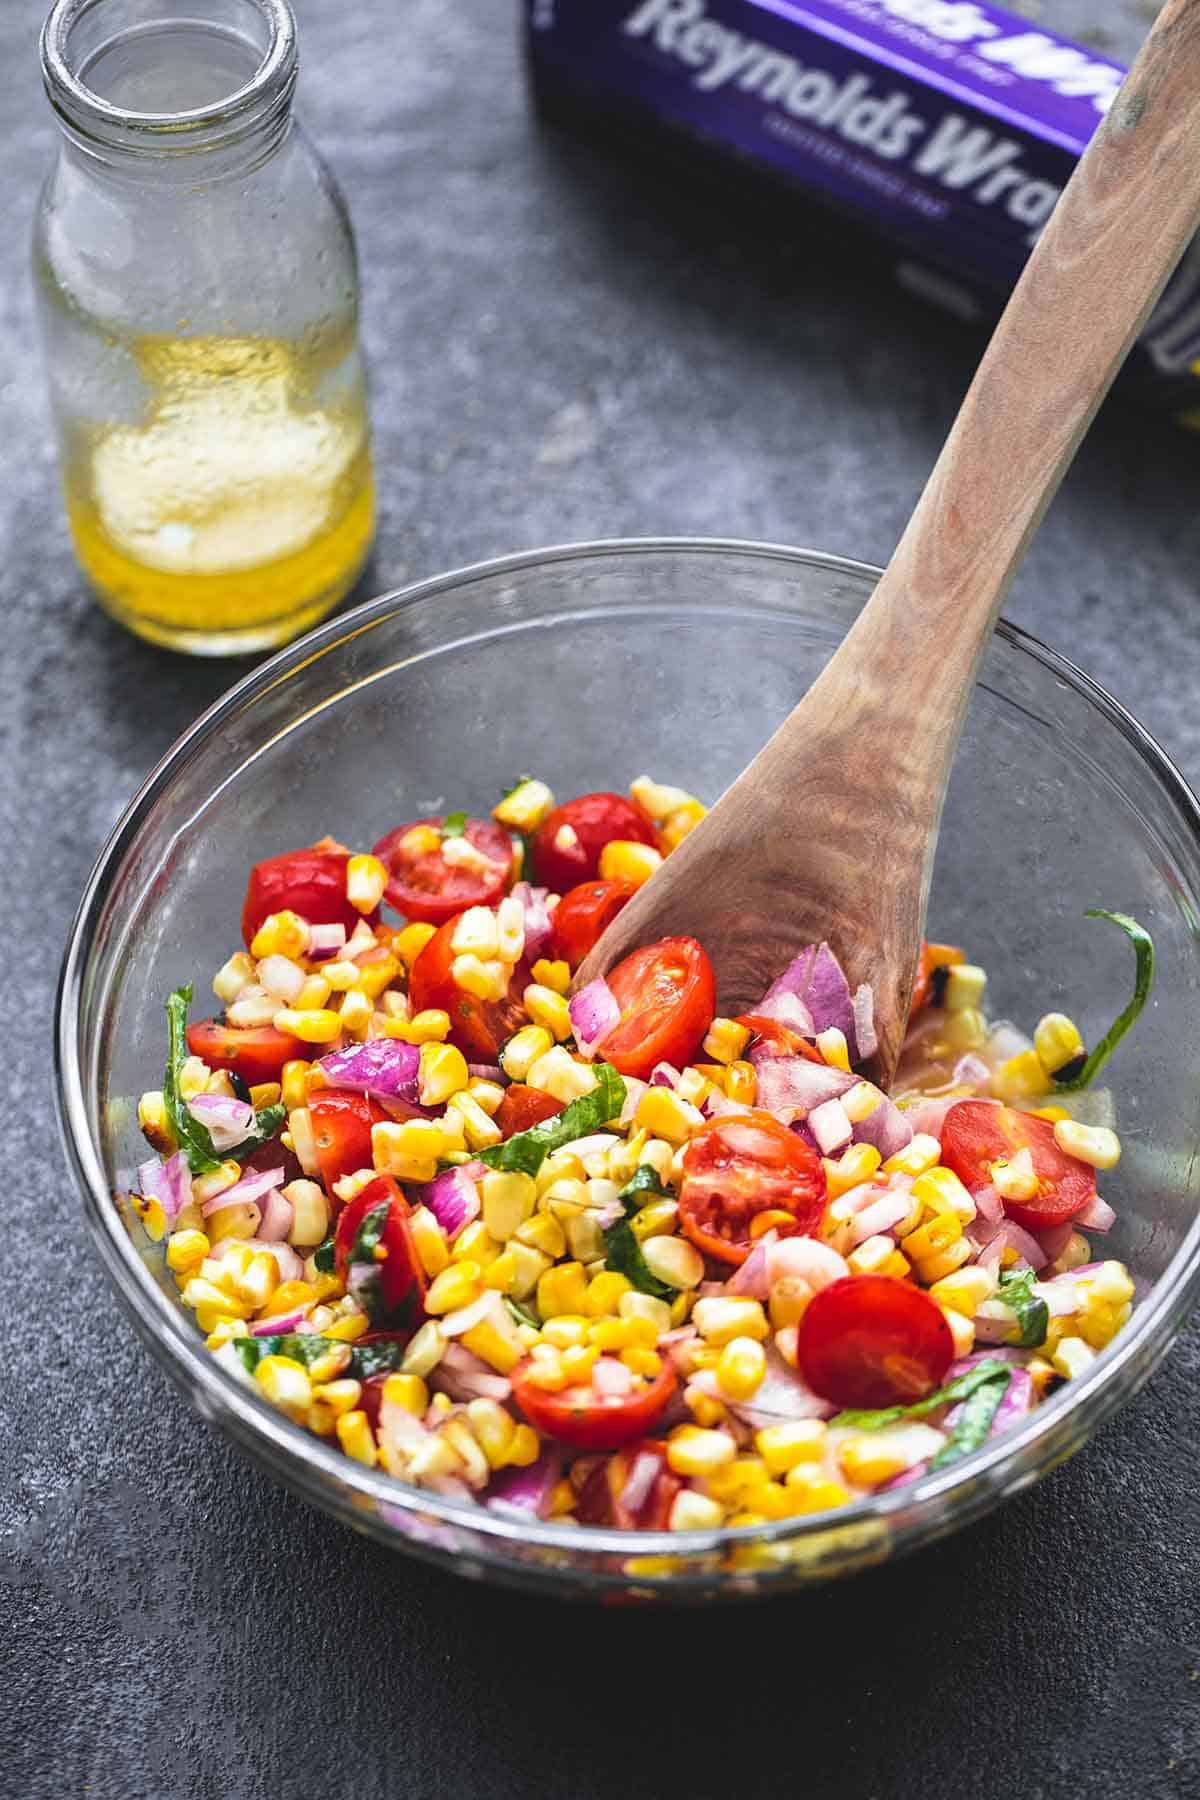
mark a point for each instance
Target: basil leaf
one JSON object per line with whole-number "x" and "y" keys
{"x": 192, "y": 1137}
{"x": 527, "y": 1151}
{"x": 302, "y": 1346}
{"x": 1143, "y": 981}
{"x": 520, "y": 1315}
{"x": 1032, "y": 1313}
{"x": 960, "y": 1389}
{"x": 363, "y": 1275}
{"x": 975, "y": 1421}
{"x": 623, "y": 1253}
{"x": 454, "y": 825}
{"x": 323, "y": 1257}
{"x": 643, "y": 1185}
{"x": 376, "y": 1359}
{"x": 512, "y": 787}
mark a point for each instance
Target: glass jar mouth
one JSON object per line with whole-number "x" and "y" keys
{"x": 74, "y": 28}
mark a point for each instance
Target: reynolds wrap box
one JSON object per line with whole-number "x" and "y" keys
{"x": 948, "y": 127}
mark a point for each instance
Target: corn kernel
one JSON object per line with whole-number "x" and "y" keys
{"x": 487, "y": 1095}
{"x": 258, "y": 1282}
{"x": 557, "y": 1073}
{"x": 1072, "y": 1357}
{"x": 508, "y": 1201}
{"x": 525, "y": 1447}
{"x": 331, "y": 1401}
{"x": 293, "y": 1090}
{"x": 525, "y": 807}
{"x": 741, "y": 1367}
{"x": 786, "y": 1447}
{"x": 667, "y": 1116}
{"x": 475, "y": 934}
{"x": 408, "y": 1392}
{"x": 578, "y": 1361}
{"x": 676, "y": 826}
{"x": 432, "y": 1026}
{"x": 1058, "y": 1045}
{"x": 789, "y": 1300}
{"x": 233, "y": 976}
{"x": 562, "y": 1290}
{"x": 366, "y": 879}
{"x": 1052, "y": 1114}
{"x": 565, "y": 1330}
{"x": 741, "y": 1083}
{"x": 965, "y": 1291}
{"x": 355, "y": 1012}
{"x": 494, "y": 1430}
{"x": 377, "y": 972}
{"x": 548, "y": 1009}
{"x": 642, "y": 1361}
{"x": 691, "y": 1511}
{"x": 411, "y": 1151}
{"x": 482, "y": 978}
{"x": 691, "y": 1450}
{"x": 523, "y": 1049}
{"x": 186, "y": 1250}
{"x": 878, "y": 1256}
{"x": 479, "y": 1130}
{"x": 545, "y": 1234}
{"x": 737, "y": 1479}
{"x": 348, "y": 1328}
{"x": 1095, "y": 1145}
{"x": 923, "y": 1152}
{"x": 475, "y": 1243}
{"x": 410, "y": 942}
{"x": 429, "y": 1241}
{"x": 1022, "y": 1077}
{"x": 834, "y": 1048}
{"x": 547, "y": 1371}
{"x": 280, "y": 934}
{"x": 964, "y": 988}
{"x": 869, "y": 1460}
{"x": 725, "y": 1040}
{"x": 310, "y": 1213}
{"x": 719, "y": 1318}
{"x": 241, "y": 1220}
{"x": 811, "y": 1491}
{"x": 854, "y": 1166}
{"x": 605, "y": 1293}
{"x": 656, "y": 1313}
{"x": 656, "y": 799}
{"x": 456, "y": 1287}
{"x": 624, "y": 860}
{"x": 443, "y": 1072}
{"x": 553, "y": 975}
{"x": 962, "y": 1329}
{"x": 312, "y": 1026}
{"x": 423, "y": 1352}
{"x": 154, "y": 1123}
{"x": 944, "y": 1262}
{"x": 939, "y": 1190}
{"x": 1015, "y": 1178}
{"x": 611, "y": 1333}
{"x": 674, "y": 1261}
{"x": 355, "y": 1436}
{"x": 285, "y": 1384}
{"x": 584, "y": 1237}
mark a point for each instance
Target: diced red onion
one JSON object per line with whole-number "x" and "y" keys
{"x": 282, "y": 978}
{"x": 1097, "y": 1215}
{"x": 1061, "y": 1294}
{"x": 782, "y": 1394}
{"x": 487, "y": 1072}
{"x": 665, "y": 1074}
{"x": 283, "y": 1322}
{"x": 379, "y": 1066}
{"x": 880, "y": 1216}
{"x": 1054, "y": 1239}
{"x": 789, "y": 1010}
{"x": 291, "y": 1268}
{"x": 226, "y": 1119}
{"x": 1024, "y": 1243}
{"x": 452, "y": 1197}
{"x": 325, "y": 941}
{"x": 538, "y": 924}
{"x": 249, "y": 1188}
{"x": 361, "y": 940}
{"x": 640, "y": 1481}
{"x": 634, "y": 1089}
{"x": 1005, "y": 1353}
{"x": 594, "y": 1011}
{"x": 993, "y": 1328}
{"x": 830, "y": 1126}
{"x": 927, "y": 1117}
{"x": 862, "y": 1006}
{"x": 169, "y": 1182}
{"x": 988, "y": 1205}
{"x": 611, "y": 1378}
{"x": 804, "y": 1259}
{"x": 790, "y": 1086}
{"x": 886, "y": 1127}
{"x": 1018, "y": 1400}
{"x": 718, "y": 1106}
{"x": 277, "y": 1216}
{"x": 971, "y": 1071}
{"x": 463, "y": 1376}
{"x": 527, "y": 1491}
{"x": 816, "y": 978}
{"x": 751, "y": 1278}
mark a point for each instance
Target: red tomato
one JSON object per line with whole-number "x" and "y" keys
{"x": 604, "y": 1498}
{"x": 524, "y": 1106}
{"x": 425, "y": 886}
{"x": 311, "y": 883}
{"x": 667, "y": 995}
{"x": 977, "y": 1133}
{"x": 478, "y": 1027}
{"x": 871, "y": 1341}
{"x": 568, "y": 842}
{"x": 738, "y": 1166}
{"x": 401, "y": 1295}
{"x": 583, "y": 913}
{"x": 341, "y": 1126}
{"x": 779, "y": 1036}
{"x": 581, "y": 1417}
{"x": 255, "y": 1052}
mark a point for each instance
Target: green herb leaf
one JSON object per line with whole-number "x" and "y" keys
{"x": 1143, "y": 981}
{"x": 528, "y": 1150}
{"x": 1032, "y": 1313}
{"x": 960, "y": 1389}
{"x": 623, "y": 1253}
{"x": 454, "y": 825}
{"x": 307, "y": 1347}
{"x": 364, "y": 1278}
{"x": 376, "y": 1359}
{"x": 643, "y": 1185}
{"x": 512, "y": 787}
{"x": 323, "y": 1257}
{"x": 974, "y": 1422}
{"x": 192, "y": 1137}
{"x": 521, "y": 1314}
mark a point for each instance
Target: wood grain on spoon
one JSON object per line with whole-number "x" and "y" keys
{"x": 831, "y": 830}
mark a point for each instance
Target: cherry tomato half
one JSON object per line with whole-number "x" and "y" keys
{"x": 255, "y": 1052}
{"x": 478, "y": 1027}
{"x": 581, "y": 1417}
{"x": 667, "y": 995}
{"x": 424, "y": 885}
{"x": 871, "y": 1341}
{"x": 402, "y": 1285}
{"x": 341, "y": 1125}
{"x": 584, "y": 912}
{"x": 568, "y": 842}
{"x": 523, "y": 1107}
{"x": 779, "y": 1036}
{"x": 738, "y": 1166}
{"x": 977, "y": 1133}
{"x": 605, "y": 1498}
{"x": 311, "y": 883}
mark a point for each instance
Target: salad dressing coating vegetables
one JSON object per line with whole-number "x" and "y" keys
{"x": 615, "y": 1257}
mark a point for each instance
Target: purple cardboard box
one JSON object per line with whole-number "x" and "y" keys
{"x": 948, "y": 127}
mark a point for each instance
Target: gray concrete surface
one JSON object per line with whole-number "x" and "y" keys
{"x": 560, "y": 350}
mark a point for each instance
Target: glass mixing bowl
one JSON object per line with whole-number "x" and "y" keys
{"x": 589, "y": 665}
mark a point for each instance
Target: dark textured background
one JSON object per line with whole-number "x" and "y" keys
{"x": 559, "y": 351}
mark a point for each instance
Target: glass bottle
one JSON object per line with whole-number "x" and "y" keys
{"x": 198, "y": 294}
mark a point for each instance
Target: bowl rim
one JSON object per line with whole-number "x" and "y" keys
{"x": 1055, "y": 1428}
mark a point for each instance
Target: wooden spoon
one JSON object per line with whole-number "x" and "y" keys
{"x": 830, "y": 832}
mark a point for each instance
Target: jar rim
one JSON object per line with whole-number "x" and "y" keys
{"x": 80, "y": 106}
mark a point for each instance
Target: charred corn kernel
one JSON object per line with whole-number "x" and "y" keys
{"x": 478, "y": 1128}
{"x": 1041, "y": 1373}
{"x": 667, "y": 1116}
{"x": 285, "y": 1384}
{"x": 962, "y": 1330}
{"x": 878, "y": 1256}
{"x": 565, "y": 1330}
{"x": 487, "y": 1095}
{"x": 943, "y": 1262}
{"x": 524, "y": 808}
{"x": 429, "y": 1241}
{"x": 624, "y": 860}
{"x": 786, "y": 1447}
{"x": 482, "y": 978}
{"x": 475, "y": 934}
{"x": 475, "y": 1243}
{"x": 719, "y": 1318}
{"x": 964, "y": 988}
{"x": 1022, "y": 1077}
{"x": 869, "y": 1460}
{"x": 1015, "y": 1178}
{"x": 443, "y": 1072}
{"x": 854, "y": 1166}
{"x": 691, "y": 1511}
{"x": 578, "y": 1361}
{"x": 234, "y": 975}
{"x": 691, "y": 1450}
{"x": 939, "y": 1190}
{"x": 154, "y": 1123}
{"x": 423, "y": 1352}
{"x": 557, "y": 1073}
{"x": 676, "y": 826}
{"x": 523, "y": 1049}
{"x": 931, "y": 1239}
{"x": 525, "y": 1447}
{"x": 1051, "y": 1113}
{"x": 545, "y": 1234}
{"x": 553, "y": 975}
{"x": 726, "y": 1040}
{"x": 186, "y": 1250}
{"x": 410, "y": 1151}
{"x": 410, "y": 942}
{"x": 310, "y": 1213}
{"x": 788, "y": 1301}
{"x": 585, "y": 1238}
{"x": 741, "y": 1367}
{"x": 355, "y": 1012}
{"x": 356, "y": 1438}
{"x": 1059, "y": 1045}
{"x": 407, "y": 1391}
{"x": 812, "y": 1491}
{"x": 1095, "y": 1145}
{"x": 152, "y": 1215}
{"x": 655, "y": 1313}
{"x": 331, "y": 1401}
{"x": 366, "y": 879}
{"x": 674, "y": 1261}
{"x": 454, "y": 1288}
{"x": 605, "y": 1292}
{"x": 508, "y": 1199}
{"x": 834, "y": 1048}
{"x": 548, "y": 1009}
{"x": 1072, "y": 1357}
{"x": 741, "y": 1083}
{"x": 563, "y": 1290}
{"x": 280, "y": 934}
{"x": 315, "y": 1026}
{"x": 611, "y": 1333}
{"x": 241, "y": 1220}
{"x": 921, "y": 1153}
{"x": 293, "y": 1090}
{"x": 965, "y": 1291}
{"x": 493, "y": 1430}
